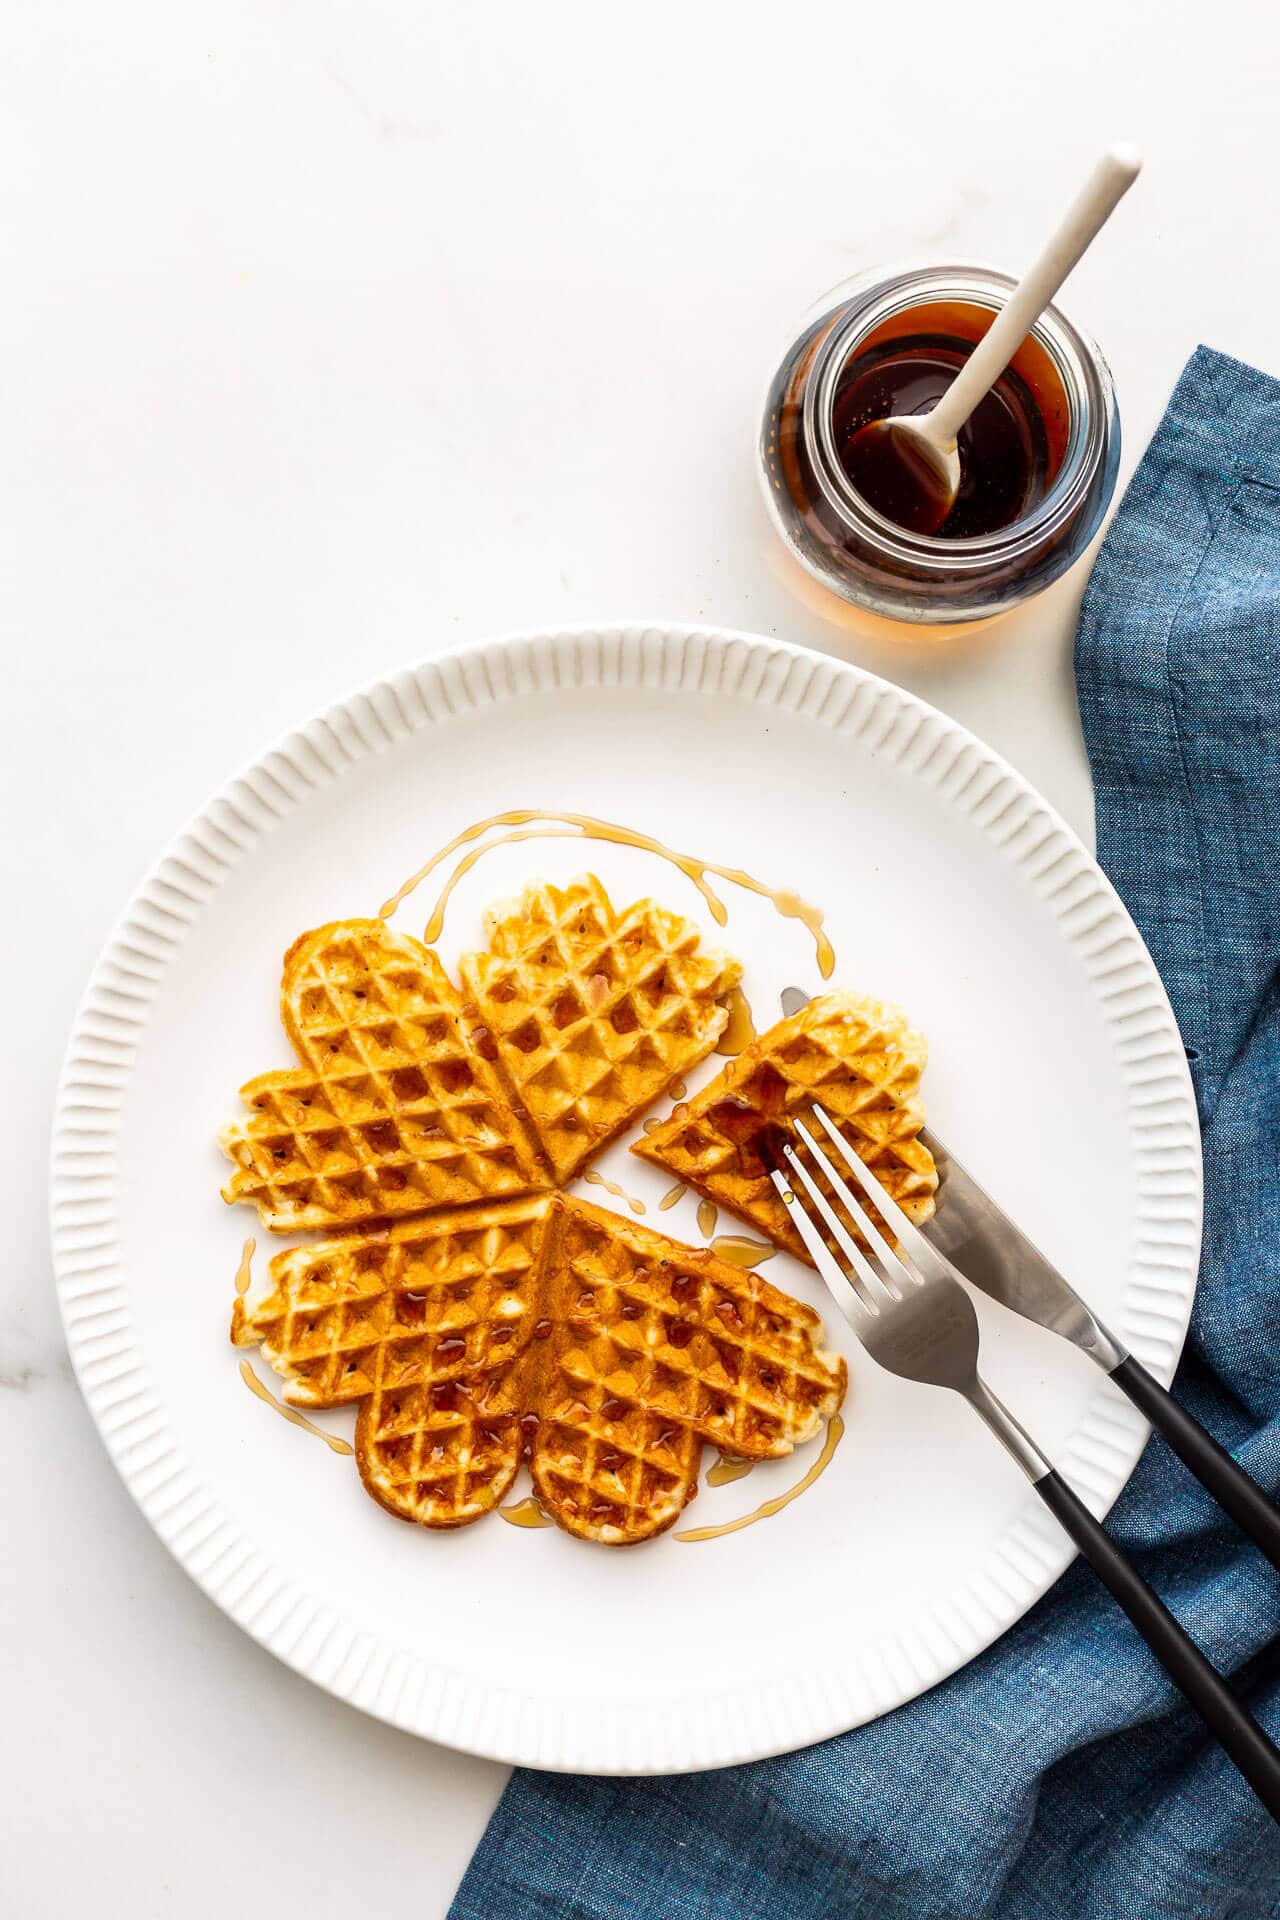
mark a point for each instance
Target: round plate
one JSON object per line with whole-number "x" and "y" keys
{"x": 1056, "y": 1073}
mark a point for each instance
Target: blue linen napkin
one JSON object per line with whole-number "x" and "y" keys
{"x": 1060, "y": 1774}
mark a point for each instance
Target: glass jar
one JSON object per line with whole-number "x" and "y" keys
{"x": 868, "y": 559}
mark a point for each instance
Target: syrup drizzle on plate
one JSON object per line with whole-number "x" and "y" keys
{"x": 835, "y": 1428}
{"x": 741, "y": 1252}
{"x": 727, "y": 1469}
{"x": 525, "y": 1513}
{"x": 740, "y": 1028}
{"x": 594, "y": 1179}
{"x": 244, "y": 1272}
{"x": 290, "y": 1414}
{"x": 587, "y": 827}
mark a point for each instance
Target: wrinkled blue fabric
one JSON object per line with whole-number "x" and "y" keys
{"x": 1060, "y": 1774}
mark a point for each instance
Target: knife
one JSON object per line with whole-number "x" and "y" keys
{"x": 997, "y": 1257}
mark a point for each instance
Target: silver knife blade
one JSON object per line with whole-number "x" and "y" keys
{"x": 997, "y": 1257}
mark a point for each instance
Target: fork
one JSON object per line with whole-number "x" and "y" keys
{"x": 909, "y": 1310}
{"x": 994, "y": 1255}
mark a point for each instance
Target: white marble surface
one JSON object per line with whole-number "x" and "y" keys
{"x": 335, "y": 334}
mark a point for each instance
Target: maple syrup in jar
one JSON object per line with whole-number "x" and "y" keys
{"x": 1038, "y": 457}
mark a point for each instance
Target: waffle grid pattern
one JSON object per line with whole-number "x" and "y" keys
{"x": 659, "y": 1349}
{"x": 399, "y": 1321}
{"x": 855, "y": 1056}
{"x": 394, "y": 1110}
{"x": 548, "y": 1325}
{"x": 594, "y": 1012}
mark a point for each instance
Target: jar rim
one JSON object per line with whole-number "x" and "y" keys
{"x": 1086, "y": 381}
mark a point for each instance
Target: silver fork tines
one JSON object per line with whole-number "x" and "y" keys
{"x": 868, "y": 1284}
{"x": 893, "y": 1269}
{"x": 905, "y": 1303}
{"x": 909, "y": 1310}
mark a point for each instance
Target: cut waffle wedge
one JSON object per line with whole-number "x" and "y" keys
{"x": 594, "y": 1012}
{"x": 857, "y": 1058}
{"x": 658, "y": 1348}
{"x": 548, "y": 1327}
{"x": 426, "y": 1327}
{"x": 393, "y": 1109}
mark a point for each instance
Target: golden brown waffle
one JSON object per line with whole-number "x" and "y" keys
{"x": 548, "y": 1326}
{"x": 393, "y": 1109}
{"x": 424, "y": 1324}
{"x": 657, "y": 1349}
{"x": 594, "y": 1012}
{"x": 854, "y": 1056}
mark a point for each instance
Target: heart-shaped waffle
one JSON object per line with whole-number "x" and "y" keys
{"x": 394, "y": 1109}
{"x": 595, "y": 1013}
{"x": 407, "y": 1099}
{"x": 854, "y": 1056}
{"x": 547, "y": 1326}
{"x": 505, "y": 1321}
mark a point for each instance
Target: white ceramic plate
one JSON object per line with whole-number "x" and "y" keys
{"x": 1056, "y": 1073}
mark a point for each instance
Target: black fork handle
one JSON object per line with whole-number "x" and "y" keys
{"x": 1235, "y": 1492}
{"x": 1234, "y": 1727}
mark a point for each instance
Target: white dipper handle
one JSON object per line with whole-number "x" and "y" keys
{"x": 1097, "y": 200}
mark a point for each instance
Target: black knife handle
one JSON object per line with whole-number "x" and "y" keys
{"x": 1238, "y": 1733}
{"x": 1233, "y": 1489}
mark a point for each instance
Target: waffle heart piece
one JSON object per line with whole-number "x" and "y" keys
{"x": 394, "y": 1107}
{"x": 857, "y": 1058}
{"x": 594, "y": 1012}
{"x": 548, "y": 1327}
